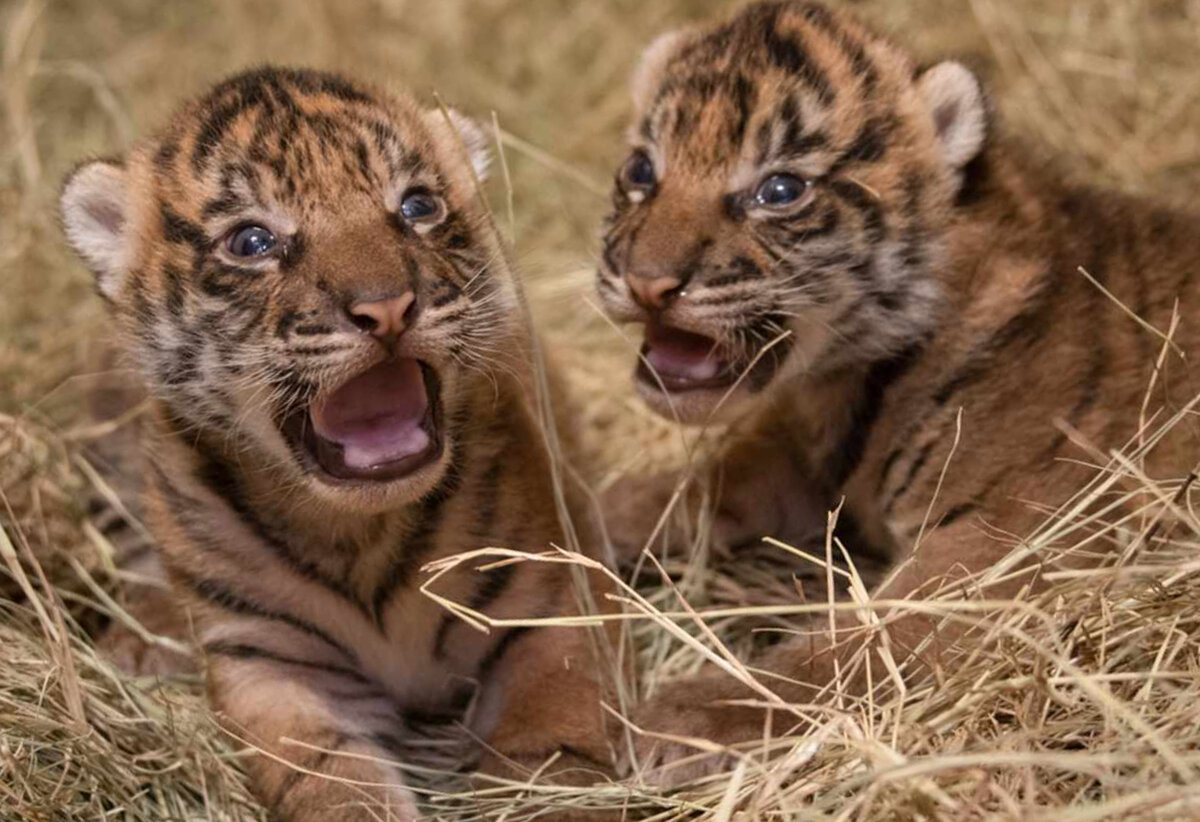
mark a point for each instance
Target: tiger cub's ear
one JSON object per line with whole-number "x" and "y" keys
{"x": 94, "y": 208}
{"x": 647, "y": 75}
{"x": 956, "y": 103}
{"x": 468, "y": 133}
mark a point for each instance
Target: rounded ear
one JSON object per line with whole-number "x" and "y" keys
{"x": 94, "y": 208}
{"x": 956, "y": 103}
{"x": 647, "y": 75}
{"x": 469, "y": 133}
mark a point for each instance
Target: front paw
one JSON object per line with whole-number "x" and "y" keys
{"x": 692, "y": 730}
{"x": 343, "y": 781}
{"x": 136, "y": 657}
{"x": 159, "y": 615}
{"x": 562, "y": 766}
{"x": 565, "y": 766}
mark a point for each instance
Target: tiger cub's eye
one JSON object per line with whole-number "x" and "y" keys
{"x": 638, "y": 172}
{"x": 780, "y": 191}
{"x": 251, "y": 241}
{"x": 419, "y": 206}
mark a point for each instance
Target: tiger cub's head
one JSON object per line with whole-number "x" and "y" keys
{"x": 790, "y": 183}
{"x": 303, "y": 270}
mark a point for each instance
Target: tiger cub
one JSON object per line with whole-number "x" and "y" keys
{"x": 305, "y": 275}
{"x": 836, "y": 251}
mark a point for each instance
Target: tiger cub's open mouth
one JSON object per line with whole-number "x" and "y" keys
{"x": 381, "y": 425}
{"x": 682, "y": 360}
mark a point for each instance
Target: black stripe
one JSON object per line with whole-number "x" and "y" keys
{"x": 179, "y": 229}
{"x": 451, "y": 292}
{"x": 495, "y": 583}
{"x": 862, "y": 201}
{"x": 357, "y": 694}
{"x": 416, "y": 544}
{"x": 318, "y": 761}
{"x": 807, "y": 144}
{"x": 220, "y": 117}
{"x": 501, "y": 648}
{"x": 880, "y": 378}
{"x": 218, "y": 594}
{"x": 1027, "y": 325}
{"x": 391, "y": 743}
{"x": 860, "y": 63}
{"x": 744, "y": 93}
{"x": 869, "y": 146}
{"x": 240, "y": 650}
{"x": 788, "y": 54}
{"x": 957, "y": 512}
{"x": 829, "y": 223}
{"x": 217, "y": 477}
{"x": 316, "y": 350}
{"x": 916, "y": 465}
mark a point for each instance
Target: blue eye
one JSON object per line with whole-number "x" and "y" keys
{"x": 639, "y": 171}
{"x": 420, "y": 206}
{"x": 251, "y": 241}
{"x": 780, "y": 190}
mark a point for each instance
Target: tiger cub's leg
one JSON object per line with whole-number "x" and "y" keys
{"x": 319, "y": 727}
{"x": 818, "y": 662}
{"x": 551, "y": 709}
{"x": 154, "y": 608}
{"x": 544, "y": 701}
{"x": 756, "y": 489}
{"x": 146, "y": 596}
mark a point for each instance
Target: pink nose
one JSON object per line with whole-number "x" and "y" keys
{"x": 384, "y": 318}
{"x": 654, "y": 292}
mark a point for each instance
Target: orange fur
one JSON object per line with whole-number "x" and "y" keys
{"x": 302, "y": 583}
{"x": 928, "y": 270}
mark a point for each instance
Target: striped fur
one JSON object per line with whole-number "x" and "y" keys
{"x": 302, "y": 590}
{"x": 929, "y": 272}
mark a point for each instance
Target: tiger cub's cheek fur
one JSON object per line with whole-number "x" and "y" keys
{"x": 797, "y": 185}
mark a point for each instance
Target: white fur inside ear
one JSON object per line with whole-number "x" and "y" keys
{"x": 474, "y": 139}
{"x": 955, "y": 101}
{"x": 647, "y": 75}
{"x": 94, "y": 206}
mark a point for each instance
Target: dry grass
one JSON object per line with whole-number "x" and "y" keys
{"x": 1087, "y": 706}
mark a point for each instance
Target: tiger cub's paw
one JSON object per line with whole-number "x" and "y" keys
{"x": 344, "y": 779}
{"x": 160, "y": 615}
{"x": 689, "y": 731}
{"x": 564, "y": 766}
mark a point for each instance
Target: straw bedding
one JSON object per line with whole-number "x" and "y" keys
{"x": 1086, "y": 706}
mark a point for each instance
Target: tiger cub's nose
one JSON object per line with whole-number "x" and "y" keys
{"x": 655, "y": 292}
{"x": 388, "y": 317}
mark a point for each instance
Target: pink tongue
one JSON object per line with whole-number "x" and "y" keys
{"x": 376, "y": 417}
{"x": 681, "y": 354}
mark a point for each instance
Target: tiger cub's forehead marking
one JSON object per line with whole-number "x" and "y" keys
{"x": 781, "y": 83}
{"x": 294, "y": 136}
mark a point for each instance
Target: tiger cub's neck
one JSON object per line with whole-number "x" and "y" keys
{"x": 494, "y": 417}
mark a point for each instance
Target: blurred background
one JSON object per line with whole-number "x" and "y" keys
{"x": 1112, "y": 85}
